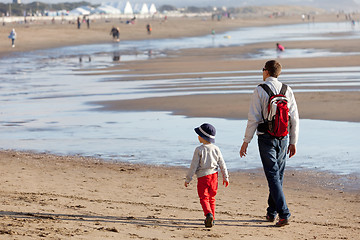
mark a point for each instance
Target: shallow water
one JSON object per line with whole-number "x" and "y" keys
{"x": 161, "y": 138}
{"x": 45, "y": 106}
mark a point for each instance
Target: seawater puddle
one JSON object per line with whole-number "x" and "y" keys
{"x": 297, "y": 53}
{"x": 161, "y": 138}
{"x": 58, "y": 81}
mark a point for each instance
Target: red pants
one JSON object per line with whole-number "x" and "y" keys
{"x": 207, "y": 188}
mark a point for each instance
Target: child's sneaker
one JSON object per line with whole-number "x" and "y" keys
{"x": 209, "y": 220}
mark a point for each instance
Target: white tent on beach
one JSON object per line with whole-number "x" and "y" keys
{"x": 152, "y": 9}
{"x": 141, "y": 9}
{"x": 144, "y": 9}
{"x": 123, "y": 7}
{"x": 128, "y": 8}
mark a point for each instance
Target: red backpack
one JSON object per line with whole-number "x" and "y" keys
{"x": 277, "y": 121}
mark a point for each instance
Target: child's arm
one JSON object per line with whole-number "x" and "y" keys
{"x": 223, "y": 169}
{"x": 193, "y": 167}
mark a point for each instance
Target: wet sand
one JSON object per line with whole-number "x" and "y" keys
{"x": 312, "y": 105}
{"x": 65, "y": 197}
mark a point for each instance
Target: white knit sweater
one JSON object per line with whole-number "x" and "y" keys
{"x": 206, "y": 160}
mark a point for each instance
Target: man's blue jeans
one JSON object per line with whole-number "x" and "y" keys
{"x": 273, "y": 157}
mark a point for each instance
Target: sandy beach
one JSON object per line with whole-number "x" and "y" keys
{"x": 46, "y": 196}
{"x": 53, "y": 197}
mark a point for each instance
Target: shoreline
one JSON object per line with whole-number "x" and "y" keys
{"x": 322, "y": 179}
{"x": 75, "y": 197}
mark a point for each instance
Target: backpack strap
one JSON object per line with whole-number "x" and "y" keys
{"x": 267, "y": 89}
{"x": 270, "y": 93}
{"x": 283, "y": 89}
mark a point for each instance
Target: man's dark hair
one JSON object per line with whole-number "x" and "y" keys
{"x": 273, "y": 67}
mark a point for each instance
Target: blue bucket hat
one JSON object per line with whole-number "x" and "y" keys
{"x": 207, "y": 132}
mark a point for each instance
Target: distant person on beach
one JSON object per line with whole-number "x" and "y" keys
{"x": 148, "y": 28}
{"x": 78, "y": 23}
{"x": 273, "y": 149}
{"x": 115, "y": 32}
{"x": 279, "y": 47}
{"x": 205, "y": 164}
{"x": 12, "y": 36}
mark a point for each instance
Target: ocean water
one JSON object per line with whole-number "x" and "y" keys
{"x": 46, "y": 103}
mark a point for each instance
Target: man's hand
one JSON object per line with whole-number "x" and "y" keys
{"x": 243, "y": 149}
{"x": 291, "y": 150}
{"x": 226, "y": 183}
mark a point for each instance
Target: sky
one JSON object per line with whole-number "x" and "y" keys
{"x": 227, "y": 3}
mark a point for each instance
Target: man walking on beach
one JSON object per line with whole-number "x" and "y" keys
{"x": 273, "y": 149}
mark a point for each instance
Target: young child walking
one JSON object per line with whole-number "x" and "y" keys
{"x": 205, "y": 164}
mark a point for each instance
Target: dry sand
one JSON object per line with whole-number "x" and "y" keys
{"x": 51, "y": 197}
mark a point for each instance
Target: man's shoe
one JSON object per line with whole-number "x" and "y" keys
{"x": 209, "y": 220}
{"x": 282, "y": 222}
{"x": 270, "y": 218}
